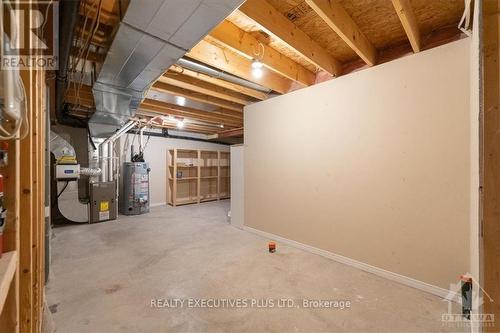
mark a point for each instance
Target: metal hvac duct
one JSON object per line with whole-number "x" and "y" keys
{"x": 67, "y": 201}
{"x": 197, "y": 67}
{"x": 151, "y": 37}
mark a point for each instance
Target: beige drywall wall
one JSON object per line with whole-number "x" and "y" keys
{"x": 237, "y": 181}
{"x": 373, "y": 166}
{"x": 156, "y": 156}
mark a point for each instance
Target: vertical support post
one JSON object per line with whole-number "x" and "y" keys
{"x": 26, "y": 215}
{"x": 198, "y": 172}
{"x": 174, "y": 181}
{"x": 218, "y": 174}
{"x": 490, "y": 157}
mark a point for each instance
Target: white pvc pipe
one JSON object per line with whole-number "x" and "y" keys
{"x": 103, "y": 155}
{"x": 106, "y": 152}
{"x": 111, "y": 170}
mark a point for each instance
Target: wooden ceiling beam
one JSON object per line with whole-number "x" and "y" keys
{"x": 182, "y": 111}
{"x": 220, "y": 116}
{"x": 105, "y": 17}
{"x": 247, "y": 45}
{"x": 409, "y": 21}
{"x": 164, "y": 109}
{"x": 221, "y": 83}
{"x": 436, "y": 38}
{"x": 235, "y": 132}
{"x": 276, "y": 24}
{"x": 334, "y": 14}
{"x": 235, "y": 64}
{"x": 188, "y": 127}
{"x": 193, "y": 84}
{"x": 196, "y": 96}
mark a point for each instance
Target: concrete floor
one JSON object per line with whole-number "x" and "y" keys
{"x": 104, "y": 277}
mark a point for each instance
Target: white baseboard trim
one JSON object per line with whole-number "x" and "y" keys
{"x": 158, "y": 204}
{"x": 435, "y": 290}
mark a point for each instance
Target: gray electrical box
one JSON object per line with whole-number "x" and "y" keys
{"x": 135, "y": 198}
{"x": 102, "y": 201}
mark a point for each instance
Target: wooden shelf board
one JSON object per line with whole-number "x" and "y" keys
{"x": 183, "y": 166}
{"x": 8, "y": 264}
{"x": 184, "y": 201}
{"x": 187, "y": 150}
{"x": 209, "y": 177}
{"x": 184, "y": 178}
{"x": 208, "y": 199}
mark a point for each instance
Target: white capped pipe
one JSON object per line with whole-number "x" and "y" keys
{"x": 103, "y": 155}
{"x": 111, "y": 170}
{"x": 106, "y": 152}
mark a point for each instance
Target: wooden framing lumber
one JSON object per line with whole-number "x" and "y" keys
{"x": 235, "y": 64}
{"x": 408, "y": 20}
{"x": 235, "y": 132}
{"x": 219, "y": 82}
{"x": 490, "y": 159}
{"x": 334, "y": 14}
{"x": 220, "y": 116}
{"x": 202, "y": 87}
{"x": 182, "y": 111}
{"x": 274, "y": 23}
{"x": 194, "y": 95}
{"x": 247, "y": 45}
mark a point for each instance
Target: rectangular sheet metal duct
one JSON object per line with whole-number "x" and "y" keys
{"x": 151, "y": 37}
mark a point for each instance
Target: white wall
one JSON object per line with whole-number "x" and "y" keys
{"x": 237, "y": 179}
{"x": 374, "y": 166}
{"x": 156, "y": 155}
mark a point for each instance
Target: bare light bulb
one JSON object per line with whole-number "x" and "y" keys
{"x": 256, "y": 64}
{"x": 257, "y": 71}
{"x": 181, "y": 100}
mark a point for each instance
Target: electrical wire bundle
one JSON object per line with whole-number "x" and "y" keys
{"x": 82, "y": 53}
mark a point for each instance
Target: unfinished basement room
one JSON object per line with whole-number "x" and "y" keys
{"x": 249, "y": 166}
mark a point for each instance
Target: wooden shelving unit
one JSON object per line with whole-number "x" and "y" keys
{"x": 224, "y": 175}
{"x": 183, "y": 176}
{"x": 196, "y": 176}
{"x": 209, "y": 161}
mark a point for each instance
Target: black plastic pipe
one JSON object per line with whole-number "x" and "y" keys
{"x": 67, "y": 20}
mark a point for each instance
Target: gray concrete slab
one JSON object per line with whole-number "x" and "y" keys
{"x": 104, "y": 277}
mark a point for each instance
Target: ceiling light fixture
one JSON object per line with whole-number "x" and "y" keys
{"x": 180, "y": 100}
{"x": 257, "y": 71}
